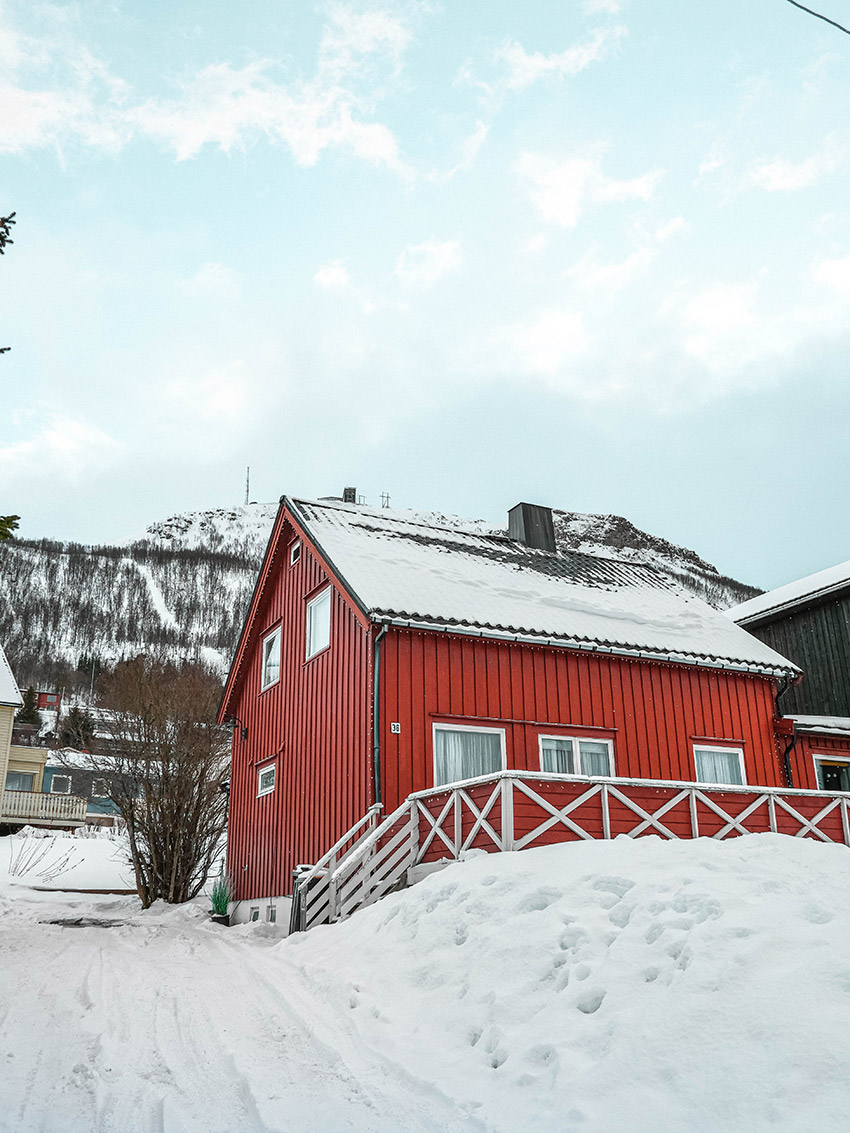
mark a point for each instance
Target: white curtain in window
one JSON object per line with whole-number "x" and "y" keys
{"x": 594, "y": 758}
{"x": 19, "y": 781}
{"x": 718, "y": 766}
{"x": 556, "y": 755}
{"x": 465, "y": 755}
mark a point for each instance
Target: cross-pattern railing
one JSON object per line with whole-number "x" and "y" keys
{"x": 515, "y": 810}
{"x": 20, "y": 807}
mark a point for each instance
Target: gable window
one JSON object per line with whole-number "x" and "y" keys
{"x": 465, "y": 753}
{"x": 294, "y": 553}
{"x": 319, "y": 623}
{"x": 265, "y": 780}
{"x": 576, "y": 755}
{"x": 60, "y": 785}
{"x": 833, "y": 773}
{"x": 723, "y": 765}
{"x": 271, "y": 660}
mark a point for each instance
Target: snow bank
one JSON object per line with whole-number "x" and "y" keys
{"x": 58, "y": 861}
{"x": 637, "y": 985}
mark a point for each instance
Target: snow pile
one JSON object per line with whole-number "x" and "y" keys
{"x": 637, "y": 985}
{"x": 55, "y": 860}
{"x": 241, "y": 530}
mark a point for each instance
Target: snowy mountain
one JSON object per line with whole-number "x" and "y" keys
{"x": 181, "y": 587}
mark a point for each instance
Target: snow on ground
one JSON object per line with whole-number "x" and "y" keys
{"x": 55, "y": 860}
{"x": 646, "y": 985}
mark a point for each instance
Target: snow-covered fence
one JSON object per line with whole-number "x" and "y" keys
{"x": 515, "y": 810}
{"x": 20, "y": 807}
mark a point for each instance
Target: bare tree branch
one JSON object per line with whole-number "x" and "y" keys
{"x": 825, "y": 19}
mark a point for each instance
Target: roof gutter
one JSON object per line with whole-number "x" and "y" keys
{"x": 589, "y": 647}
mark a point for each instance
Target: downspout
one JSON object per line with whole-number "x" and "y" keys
{"x": 789, "y": 747}
{"x": 376, "y": 717}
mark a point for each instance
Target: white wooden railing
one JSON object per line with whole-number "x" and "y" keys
{"x": 43, "y": 810}
{"x": 516, "y": 810}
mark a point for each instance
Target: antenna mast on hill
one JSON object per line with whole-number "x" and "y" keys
{"x": 247, "y": 483}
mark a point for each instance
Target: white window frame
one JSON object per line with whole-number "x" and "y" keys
{"x": 577, "y": 739}
{"x": 462, "y": 728}
{"x": 95, "y": 794}
{"x": 294, "y": 552}
{"x": 53, "y": 790}
{"x": 262, "y": 770}
{"x": 270, "y": 641}
{"x": 725, "y": 749}
{"x": 822, "y": 757}
{"x": 323, "y": 596}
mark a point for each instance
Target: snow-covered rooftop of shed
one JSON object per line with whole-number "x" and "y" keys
{"x": 814, "y": 586}
{"x": 9, "y": 691}
{"x": 404, "y": 566}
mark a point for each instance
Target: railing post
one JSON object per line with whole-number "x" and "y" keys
{"x": 458, "y": 836}
{"x": 771, "y": 811}
{"x": 845, "y": 825}
{"x": 692, "y": 804}
{"x": 606, "y": 813}
{"x": 413, "y": 834}
{"x": 332, "y": 883}
{"x": 507, "y": 813}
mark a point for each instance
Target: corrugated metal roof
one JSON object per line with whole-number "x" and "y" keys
{"x": 9, "y": 692}
{"x": 402, "y": 568}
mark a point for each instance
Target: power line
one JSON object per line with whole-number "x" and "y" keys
{"x": 826, "y": 19}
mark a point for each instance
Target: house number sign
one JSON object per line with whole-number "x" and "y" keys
{"x": 395, "y": 729}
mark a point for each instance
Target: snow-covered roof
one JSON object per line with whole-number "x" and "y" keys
{"x": 813, "y": 587}
{"x": 404, "y": 568}
{"x": 9, "y": 691}
{"x": 827, "y": 725}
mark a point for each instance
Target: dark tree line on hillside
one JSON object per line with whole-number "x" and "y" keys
{"x": 61, "y": 600}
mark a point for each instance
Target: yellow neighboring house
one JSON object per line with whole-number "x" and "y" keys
{"x": 22, "y": 772}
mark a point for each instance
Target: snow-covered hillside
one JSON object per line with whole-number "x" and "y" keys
{"x": 630, "y": 985}
{"x": 182, "y": 586}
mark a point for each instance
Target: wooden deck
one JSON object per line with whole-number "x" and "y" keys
{"x": 517, "y": 810}
{"x": 30, "y": 808}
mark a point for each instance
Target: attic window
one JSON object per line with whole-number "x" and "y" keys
{"x": 294, "y": 553}
{"x": 319, "y": 623}
{"x": 271, "y": 660}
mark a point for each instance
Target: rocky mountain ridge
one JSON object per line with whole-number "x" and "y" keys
{"x": 182, "y": 586}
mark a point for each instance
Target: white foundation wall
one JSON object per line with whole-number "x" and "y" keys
{"x": 262, "y": 910}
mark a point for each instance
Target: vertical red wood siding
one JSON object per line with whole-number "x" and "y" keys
{"x": 806, "y": 748}
{"x": 653, "y": 712}
{"x": 314, "y": 724}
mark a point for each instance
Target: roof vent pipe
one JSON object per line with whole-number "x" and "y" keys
{"x": 349, "y": 495}
{"x": 532, "y": 524}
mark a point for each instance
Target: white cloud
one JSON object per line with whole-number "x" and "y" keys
{"x": 784, "y": 176}
{"x": 333, "y": 275}
{"x": 63, "y": 448}
{"x": 561, "y": 189}
{"x": 221, "y": 104}
{"x": 525, "y": 68}
{"x": 546, "y": 344}
{"x": 421, "y": 265}
{"x": 213, "y": 279}
{"x": 611, "y": 277}
{"x": 665, "y": 231}
{"x": 835, "y": 274}
{"x": 468, "y": 150}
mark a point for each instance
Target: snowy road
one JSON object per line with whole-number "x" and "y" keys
{"x": 170, "y": 1023}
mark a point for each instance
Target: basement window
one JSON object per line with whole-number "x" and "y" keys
{"x": 319, "y": 623}
{"x": 720, "y": 765}
{"x": 60, "y": 785}
{"x": 255, "y": 913}
{"x": 465, "y": 753}
{"x": 271, "y": 914}
{"x": 271, "y": 660}
{"x": 265, "y": 780}
{"x": 576, "y": 755}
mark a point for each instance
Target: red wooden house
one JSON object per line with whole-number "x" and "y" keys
{"x": 385, "y": 653}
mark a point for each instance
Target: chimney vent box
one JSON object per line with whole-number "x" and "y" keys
{"x": 349, "y": 495}
{"x": 532, "y": 524}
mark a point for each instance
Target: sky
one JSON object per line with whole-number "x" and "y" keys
{"x": 589, "y": 253}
